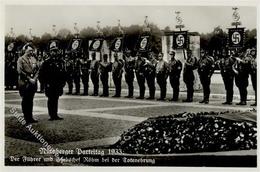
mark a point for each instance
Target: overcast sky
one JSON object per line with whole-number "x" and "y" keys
{"x": 195, "y": 18}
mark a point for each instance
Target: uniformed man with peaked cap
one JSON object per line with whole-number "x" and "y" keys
{"x": 206, "y": 66}
{"x": 28, "y": 70}
{"x": 129, "y": 72}
{"x": 188, "y": 75}
{"x": 175, "y": 67}
{"x": 53, "y": 75}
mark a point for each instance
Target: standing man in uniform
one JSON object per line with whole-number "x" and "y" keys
{"x": 117, "y": 71}
{"x": 94, "y": 75}
{"x": 129, "y": 73}
{"x": 242, "y": 68}
{"x": 227, "y": 73}
{"x": 161, "y": 75}
{"x": 188, "y": 75}
{"x": 139, "y": 72}
{"x": 85, "y": 67}
{"x": 150, "y": 72}
{"x": 27, "y": 69}
{"x": 105, "y": 68}
{"x": 175, "y": 67}
{"x": 77, "y": 72}
{"x": 53, "y": 75}
{"x": 253, "y": 72}
{"x": 69, "y": 70}
{"x": 206, "y": 66}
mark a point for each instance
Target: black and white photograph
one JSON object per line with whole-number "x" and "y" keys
{"x": 140, "y": 85}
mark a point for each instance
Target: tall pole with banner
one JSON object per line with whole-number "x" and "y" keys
{"x": 144, "y": 42}
{"x": 180, "y": 38}
{"x": 236, "y": 36}
{"x": 76, "y": 42}
{"x": 96, "y": 43}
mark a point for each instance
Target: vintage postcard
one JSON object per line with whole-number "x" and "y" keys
{"x": 119, "y": 85}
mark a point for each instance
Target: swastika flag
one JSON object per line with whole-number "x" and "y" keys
{"x": 117, "y": 44}
{"x": 75, "y": 44}
{"x": 180, "y": 40}
{"x": 143, "y": 44}
{"x": 96, "y": 45}
{"x": 236, "y": 37}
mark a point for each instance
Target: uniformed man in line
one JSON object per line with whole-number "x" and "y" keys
{"x": 28, "y": 70}
{"x": 129, "y": 72}
{"x": 69, "y": 70}
{"x": 94, "y": 75}
{"x": 11, "y": 71}
{"x": 105, "y": 67}
{"x": 150, "y": 73}
{"x": 53, "y": 75}
{"x": 139, "y": 72}
{"x": 162, "y": 70}
{"x": 77, "y": 72}
{"x": 225, "y": 65}
{"x": 206, "y": 66}
{"x": 117, "y": 72}
{"x": 242, "y": 68}
{"x": 175, "y": 67}
{"x": 188, "y": 75}
{"x": 253, "y": 72}
{"x": 85, "y": 68}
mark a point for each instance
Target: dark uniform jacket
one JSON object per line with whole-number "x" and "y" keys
{"x": 53, "y": 76}
{"x": 94, "y": 66}
{"x": 162, "y": 68}
{"x": 69, "y": 67}
{"x": 105, "y": 67}
{"x": 129, "y": 65}
{"x": 175, "y": 67}
{"x": 85, "y": 66}
{"x": 150, "y": 67}
{"x": 225, "y": 65}
{"x": 206, "y": 66}
{"x": 140, "y": 67}
{"x": 117, "y": 67}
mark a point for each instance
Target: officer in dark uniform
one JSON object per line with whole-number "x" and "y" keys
{"x": 139, "y": 72}
{"x": 242, "y": 68}
{"x": 175, "y": 67}
{"x": 13, "y": 72}
{"x": 94, "y": 75}
{"x": 77, "y": 72}
{"x": 129, "y": 73}
{"x": 53, "y": 75}
{"x": 206, "y": 66}
{"x": 150, "y": 73}
{"x": 225, "y": 65}
{"x": 117, "y": 71}
{"x": 188, "y": 75}
{"x": 28, "y": 69}
{"x": 162, "y": 70}
{"x": 85, "y": 68}
{"x": 253, "y": 72}
{"x": 104, "y": 68}
{"x": 69, "y": 70}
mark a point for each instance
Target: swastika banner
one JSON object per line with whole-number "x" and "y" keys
{"x": 180, "y": 40}
{"x": 75, "y": 44}
{"x": 143, "y": 44}
{"x": 11, "y": 47}
{"x": 117, "y": 44}
{"x": 236, "y": 37}
{"x": 96, "y": 45}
